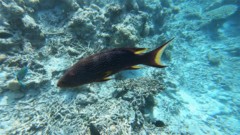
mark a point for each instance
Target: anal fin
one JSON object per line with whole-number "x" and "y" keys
{"x": 140, "y": 50}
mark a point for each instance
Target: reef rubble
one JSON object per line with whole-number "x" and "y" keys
{"x": 49, "y": 36}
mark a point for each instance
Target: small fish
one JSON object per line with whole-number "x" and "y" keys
{"x": 159, "y": 123}
{"x": 98, "y": 67}
{"x": 21, "y": 74}
{"x": 5, "y": 35}
{"x": 93, "y": 130}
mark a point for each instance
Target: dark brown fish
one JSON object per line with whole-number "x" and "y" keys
{"x": 93, "y": 130}
{"x": 5, "y": 35}
{"x": 98, "y": 67}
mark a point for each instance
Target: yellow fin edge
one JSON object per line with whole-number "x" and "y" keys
{"x": 108, "y": 73}
{"x": 135, "y": 67}
{"x": 157, "y": 58}
{"x": 106, "y": 78}
{"x": 141, "y": 51}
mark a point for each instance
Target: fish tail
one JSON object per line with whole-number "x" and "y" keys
{"x": 153, "y": 58}
{"x": 21, "y": 84}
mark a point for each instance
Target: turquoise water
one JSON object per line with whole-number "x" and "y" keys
{"x": 197, "y": 93}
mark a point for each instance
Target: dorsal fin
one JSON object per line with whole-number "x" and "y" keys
{"x": 137, "y": 50}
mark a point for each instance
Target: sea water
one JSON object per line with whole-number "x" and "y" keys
{"x": 197, "y": 93}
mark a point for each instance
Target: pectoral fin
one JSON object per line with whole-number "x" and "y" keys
{"x": 108, "y": 73}
{"x": 104, "y": 79}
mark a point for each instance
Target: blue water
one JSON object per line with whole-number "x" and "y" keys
{"x": 197, "y": 93}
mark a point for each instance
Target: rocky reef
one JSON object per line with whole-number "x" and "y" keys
{"x": 47, "y": 37}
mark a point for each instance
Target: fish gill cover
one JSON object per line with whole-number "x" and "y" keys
{"x": 197, "y": 93}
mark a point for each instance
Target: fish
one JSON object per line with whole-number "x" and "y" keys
{"x": 21, "y": 75}
{"x": 159, "y": 123}
{"x": 100, "y": 66}
{"x": 5, "y": 35}
{"x": 93, "y": 129}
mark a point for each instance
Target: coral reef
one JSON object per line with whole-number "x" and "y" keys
{"x": 2, "y": 58}
{"x": 191, "y": 96}
{"x": 123, "y": 115}
{"x": 47, "y": 37}
{"x": 14, "y": 85}
{"x": 221, "y": 12}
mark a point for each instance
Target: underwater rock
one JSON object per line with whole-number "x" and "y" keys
{"x": 214, "y": 59}
{"x": 125, "y": 35}
{"x": 32, "y": 31}
{"x": 4, "y": 100}
{"x": 13, "y": 85}
{"x": 72, "y": 4}
{"x": 12, "y": 10}
{"x": 150, "y": 5}
{"x": 119, "y": 92}
{"x": 10, "y": 43}
{"x": 35, "y": 83}
{"x": 113, "y": 11}
{"x": 8, "y": 39}
{"x": 128, "y": 96}
{"x": 216, "y": 14}
{"x": 5, "y": 34}
{"x": 29, "y": 22}
{"x": 81, "y": 24}
{"x": 221, "y": 12}
{"x": 146, "y": 30}
{"x": 3, "y": 78}
{"x": 131, "y": 5}
{"x": 2, "y": 57}
{"x": 85, "y": 99}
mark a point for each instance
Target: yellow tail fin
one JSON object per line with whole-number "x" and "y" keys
{"x": 153, "y": 58}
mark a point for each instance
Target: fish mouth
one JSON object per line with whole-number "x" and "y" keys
{"x": 59, "y": 84}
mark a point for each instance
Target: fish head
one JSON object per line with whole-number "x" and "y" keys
{"x": 69, "y": 80}
{"x": 62, "y": 83}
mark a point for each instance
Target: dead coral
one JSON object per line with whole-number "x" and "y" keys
{"x": 3, "y": 57}
{"x": 53, "y": 114}
{"x": 221, "y": 12}
{"x": 21, "y": 25}
{"x": 113, "y": 12}
{"x": 14, "y": 85}
{"x": 11, "y": 9}
{"x": 32, "y": 31}
{"x": 81, "y": 24}
{"x": 83, "y": 29}
{"x": 125, "y": 35}
{"x": 8, "y": 39}
{"x": 209, "y": 17}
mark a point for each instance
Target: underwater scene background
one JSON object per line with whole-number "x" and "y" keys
{"x": 197, "y": 93}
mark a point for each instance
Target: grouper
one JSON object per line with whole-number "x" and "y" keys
{"x": 100, "y": 66}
